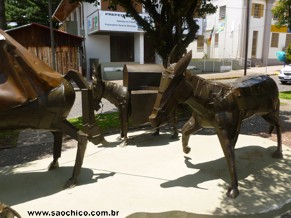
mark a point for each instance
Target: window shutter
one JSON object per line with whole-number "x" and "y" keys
{"x": 274, "y": 40}
{"x": 253, "y": 9}
{"x": 288, "y": 40}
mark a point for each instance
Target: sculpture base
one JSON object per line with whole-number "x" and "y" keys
{"x": 151, "y": 177}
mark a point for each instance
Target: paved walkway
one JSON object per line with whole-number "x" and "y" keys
{"x": 152, "y": 177}
{"x": 271, "y": 70}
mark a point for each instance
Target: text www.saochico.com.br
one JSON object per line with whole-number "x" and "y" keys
{"x": 72, "y": 213}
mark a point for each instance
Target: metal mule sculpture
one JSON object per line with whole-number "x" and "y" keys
{"x": 32, "y": 95}
{"x": 115, "y": 94}
{"x": 8, "y": 212}
{"x": 119, "y": 96}
{"x": 219, "y": 106}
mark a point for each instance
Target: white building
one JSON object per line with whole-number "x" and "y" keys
{"x": 229, "y": 33}
{"x": 111, "y": 38}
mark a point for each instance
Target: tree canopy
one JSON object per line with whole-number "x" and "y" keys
{"x": 23, "y": 12}
{"x": 169, "y": 22}
{"x": 282, "y": 13}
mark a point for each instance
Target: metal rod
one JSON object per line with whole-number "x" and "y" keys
{"x": 52, "y": 36}
{"x": 247, "y": 36}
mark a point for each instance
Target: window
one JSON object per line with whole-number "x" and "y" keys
{"x": 275, "y": 40}
{"x": 288, "y": 40}
{"x": 254, "y": 44}
{"x": 200, "y": 43}
{"x": 222, "y": 11}
{"x": 122, "y": 48}
{"x": 257, "y": 10}
{"x": 216, "y": 39}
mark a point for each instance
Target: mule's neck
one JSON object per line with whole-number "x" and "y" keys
{"x": 114, "y": 93}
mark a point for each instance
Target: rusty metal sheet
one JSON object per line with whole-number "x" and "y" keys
{"x": 142, "y": 76}
{"x": 142, "y": 102}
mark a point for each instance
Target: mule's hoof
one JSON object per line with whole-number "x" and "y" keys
{"x": 104, "y": 142}
{"x": 156, "y": 134}
{"x": 186, "y": 150}
{"x": 175, "y": 136}
{"x": 232, "y": 192}
{"x": 53, "y": 165}
{"x": 71, "y": 183}
{"x": 119, "y": 138}
{"x": 277, "y": 154}
{"x": 123, "y": 145}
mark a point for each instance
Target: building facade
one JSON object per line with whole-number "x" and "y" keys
{"x": 109, "y": 37}
{"x": 225, "y": 33}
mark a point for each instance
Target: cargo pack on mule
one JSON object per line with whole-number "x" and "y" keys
{"x": 33, "y": 95}
{"x": 135, "y": 98}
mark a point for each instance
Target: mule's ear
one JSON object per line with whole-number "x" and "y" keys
{"x": 183, "y": 63}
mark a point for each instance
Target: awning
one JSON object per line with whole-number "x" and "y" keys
{"x": 64, "y": 9}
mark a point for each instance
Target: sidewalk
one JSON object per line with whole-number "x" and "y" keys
{"x": 153, "y": 178}
{"x": 270, "y": 70}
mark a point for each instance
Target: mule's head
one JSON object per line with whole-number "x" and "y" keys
{"x": 166, "y": 100}
{"x": 97, "y": 86}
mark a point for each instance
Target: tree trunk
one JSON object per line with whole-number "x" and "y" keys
{"x": 2, "y": 15}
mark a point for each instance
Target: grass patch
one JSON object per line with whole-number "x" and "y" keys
{"x": 285, "y": 95}
{"x": 105, "y": 122}
{"x": 8, "y": 138}
{"x": 110, "y": 121}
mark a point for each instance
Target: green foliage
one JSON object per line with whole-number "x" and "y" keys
{"x": 281, "y": 11}
{"x": 288, "y": 54}
{"x": 285, "y": 95}
{"x": 28, "y": 11}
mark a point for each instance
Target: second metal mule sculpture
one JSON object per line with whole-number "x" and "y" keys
{"x": 219, "y": 106}
{"x": 115, "y": 94}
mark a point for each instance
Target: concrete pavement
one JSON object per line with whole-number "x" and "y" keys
{"x": 152, "y": 177}
{"x": 271, "y": 70}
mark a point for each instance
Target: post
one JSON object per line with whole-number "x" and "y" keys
{"x": 247, "y": 37}
{"x": 52, "y": 36}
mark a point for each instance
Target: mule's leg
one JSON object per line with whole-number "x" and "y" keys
{"x": 273, "y": 119}
{"x": 174, "y": 124}
{"x": 189, "y": 127}
{"x": 82, "y": 144}
{"x": 82, "y": 139}
{"x": 227, "y": 141}
{"x": 123, "y": 117}
{"x": 58, "y": 138}
{"x": 157, "y": 132}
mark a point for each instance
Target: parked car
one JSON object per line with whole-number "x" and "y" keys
{"x": 285, "y": 74}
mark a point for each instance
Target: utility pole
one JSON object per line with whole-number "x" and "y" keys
{"x": 247, "y": 36}
{"x": 52, "y": 36}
